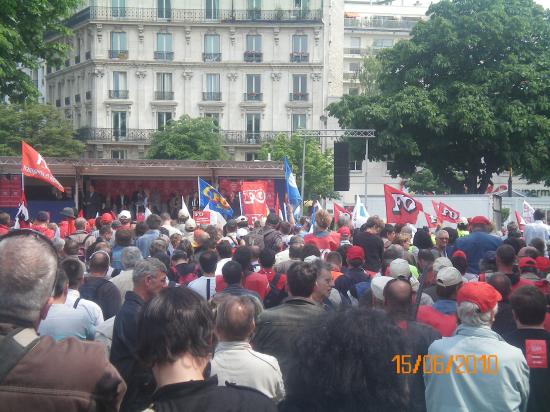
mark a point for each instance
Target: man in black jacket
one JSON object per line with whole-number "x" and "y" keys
{"x": 149, "y": 278}
{"x": 372, "y": 243}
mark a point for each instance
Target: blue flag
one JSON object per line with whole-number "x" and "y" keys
{"x": 291, "y": 188}
{"x": 209, "y": 196}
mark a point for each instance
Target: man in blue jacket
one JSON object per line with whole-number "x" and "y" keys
{"x": 478, "y": 242}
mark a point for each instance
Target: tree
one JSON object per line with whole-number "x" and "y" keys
{"x": 41, "y": 126}
{"x": 23, "y": 26}
{"x": 188, "y": 139}
{"x": 423, "y": 181}
{"x": 466, "y": 96}
{"x": 318, "y": 165}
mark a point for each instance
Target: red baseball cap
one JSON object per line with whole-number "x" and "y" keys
{"x": 479, "y": 220}
{"x": 527, "y": 262}
{"x": 459, "y": 253}
{"x": 543, "y": 264}
{"x": 355, "y": 252}
{"x": 106, "y": 218}
{"x": 482, "y": 294}
{"x": 344, "y": 230}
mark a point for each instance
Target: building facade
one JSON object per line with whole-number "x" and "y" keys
{"x": 255, "y": 67}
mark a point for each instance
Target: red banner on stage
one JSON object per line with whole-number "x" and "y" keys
{"x": 34, "y": 165}
{"x": 201, "y": 217}
{"x": 230, "y": 188}
{"x": 10, "y": 191}
{"x": 254, "y": 200}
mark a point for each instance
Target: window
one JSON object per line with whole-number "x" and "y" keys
{"x": 354, "y": 67}
{"x": 299, "y": 88}
{"x": 253, "y": 126}
{"x": 212, "y": 87}
{"x": 250, "y": 156}
{"x": 382, "y": 43}
{"x": 299, "y": 49}
{"x": 118, "y": 154}
{"x": 211, "y": 48}
{"x": 355, "y": 45}
{"x": 120, "y": 87}
{"x": 119, "y": 48}
{"x": 298, "y": 122}
{"x": 301, "y": 4}
{"x": 212, "y": 11}
{"x": 162, "y": 119}
{"x": 254, "y": 9}
{"x": 253, "y": 87}
{"x": 164, "y": 9}
{"x": 118, "y": 8}
{"x": 164, "y": 47}
{"x": 164, "y": 87}
{"x": 215, "y": 119}
{"x": 253, "y": 51}
{"x": 119, "y": 125}
{"x": 354, "y": 91}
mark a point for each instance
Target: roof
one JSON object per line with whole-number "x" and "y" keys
{"x": 146, "y": 168}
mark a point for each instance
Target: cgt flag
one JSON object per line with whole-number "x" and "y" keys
{"x": 431, "y": 220}
{"x": 34, "y": 165}
{"x": 400, "y": 206}
{"x": 447, "y": 213}
{"x": 340, "y": 211}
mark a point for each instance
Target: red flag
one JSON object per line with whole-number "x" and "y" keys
{"x": 431, "y": 220}
{"x": 254, "y": 200}
{"x": 22, "y": 218}
{"x": 34, "y": 165}
{"x": 80, "y": 213}
{"x": 447, "y": 213}
{"x": 400, "y": 206}
{"x": 520, "y": 221}
{"x": 339, "y": 210}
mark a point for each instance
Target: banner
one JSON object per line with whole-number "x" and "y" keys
{"x": 34, "y": 165}
{"x": 291, "y": 187}
{"x": 519, "y": 220}
{"x": 201, "y": 217}
{"x": 400, "y": 206}
{"x": 431, "y": 220}
{"x": 339, "y": 211}
{"x": 10, "y": 191}
{"x": 528, "y": 212}
{"x": 447, "y": 213}
{"x": 254, "y": 200}
{"x": 209, "y": 196}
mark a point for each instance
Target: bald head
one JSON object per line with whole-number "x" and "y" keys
{"x": 80, "y": 223}
{"x": 398, "y": 297}
{"x": 27, "y": 276}
{"x": 528, "y": 251}
{"x": 501, "y": 283}
{"x": 235, "y": 318}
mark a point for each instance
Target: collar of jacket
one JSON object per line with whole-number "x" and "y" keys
{"x": 298, "y": 300}
{"x": 183, "y": 389}
{"x": 477, "y": 331}
{"x": 241, "y": 344}
{"x": 133, "y": 296}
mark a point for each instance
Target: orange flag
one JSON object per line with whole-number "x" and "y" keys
{"x": 34, "y": 165}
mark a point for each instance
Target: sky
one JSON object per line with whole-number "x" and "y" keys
{"x": 544, "y": 3}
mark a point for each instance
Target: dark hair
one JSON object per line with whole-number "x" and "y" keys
{"x": 301, "y": 279}
{"x": 506, "y": 254}
{"x": 208, "y": 261}
{"x": 4, "y": 219}
{"x": 343, "y": 251}
{"x": 361, "y": 379}
{"x": 224, "y": 249}
{"x": 123, "y": 237}
{"x": 426, "y": 255}
{"x": 186, "y": 246}
{"x": 232, "y": 272}
{"x": 334, "y": 257}
{"x": 538, "y": 214}
{"x": 243, "y": 255}
{"x": 71, "y": 247}
{"x": 60, "y": 282}
{"x": 267, "y": 258}
{"x": 158, "y": 246}
{"x": 74, "y": 270}
{"x": 446, "y": 292}
{"x": 141, "y": 228}
{"x": 174, "y": 322}
{"x": 164, "y": 231}
{"x": 387, "y": 230}
{"x": 99, "y": 262}
{"x": 230, "y": 226}
{"x": 453, "y": 234}
{"x": 284, "y": 228}
{"x": 272, "y": 219}
{"x": 423, "y": 240}
{"x": 501, "y": 283}
{"x": 460, "y": 263}
{"x": 179, "y": 255}
{"x": 310, "y": 250}
{"x": 295, "y": 251}
{"x": 153, "y": 222}
{"x": 104, "y": 229}
{"x": 516, "y": 242}
{"x": 538, "y": 244}
{"x": 529, "y": 305}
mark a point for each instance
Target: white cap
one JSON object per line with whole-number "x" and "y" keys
{"x": 311, "y": 259}
{"x": 448, "y": 276}
{"x": 415, "y": 284}
{"x": 242, "y": 219}
{"x": 378, "y": 284}
{"x": 399, "y": 267}
{"x": 440, "y": 263}
{"x": 183, "y": 213}
{"x": 190, "y": 225}
{"x": 125, "y": 214}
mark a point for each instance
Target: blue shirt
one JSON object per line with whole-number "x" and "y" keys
{"x": 63, "y": 321}
{"x": 475, "y": 246}
{"x": 144, "y": 242}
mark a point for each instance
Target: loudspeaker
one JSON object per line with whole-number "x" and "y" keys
{"x": 341, "y": 166}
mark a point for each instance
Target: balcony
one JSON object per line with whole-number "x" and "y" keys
{"x": 164, "y": 95}
{"x": 253, "y": 97}
{"x": 164, "y": 55}
{"x": 88, "y": 55}
{"x": 67, "y": 101}
{"x": 77, "y": 59}
{"x": 88, "y": 95}
{"x": 77, "y": 99}
{"x": 299, "y": 57}
{"x": 299, "y": 97}
{"x": 211, "y": 96}
{"x": 253, "y": 56}
{"x": 118, "y": 54}
{"x": 98, "y": 13}
{"x": 118, "y": 94}
{"x": 350, "y": 75}
{"x": 383, "y": 24}
{"x": 58, "y": 103}
{"x": 211, "y": 57}
{"x": 356, "y": 51}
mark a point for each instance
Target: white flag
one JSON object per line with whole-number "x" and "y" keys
{"x": 359, "y": 215}
{"x": 184, "y": 208}
{"x": 528, "y": 212}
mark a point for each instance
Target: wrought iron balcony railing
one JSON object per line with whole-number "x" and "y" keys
{"x": 253, "y": 56}
{"x": 377, "y": 23}
{"x": 118, "y": 54}
{"x": 118, "y": 94}
{"x": 299, "y": 57}
{"x": 211, "y": 96}
{"x": 164, "y": 95}
{"x": 164, "y": 55}
{"x": 299, "y": 97}
{"x": 211, "y": 57}
{"x": 253, "y": 97}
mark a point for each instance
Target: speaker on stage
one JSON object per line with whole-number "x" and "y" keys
{"x": 341, "y": 166}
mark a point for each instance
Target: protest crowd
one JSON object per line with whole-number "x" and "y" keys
{"x": 320, "y": 314}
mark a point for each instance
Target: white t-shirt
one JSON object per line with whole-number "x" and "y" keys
{"x": 220, "y": 265}
{"x": 202, "y": 284}
{"x": 94, "y": 311}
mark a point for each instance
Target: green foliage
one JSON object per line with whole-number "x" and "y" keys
{"x": 466, "y": 96}
{"x": 41, "y": 126}
{"x": 187, "y": 139}
{"x": 368, "y": 75}
{"x": 504, "y": 214}
{"x": 423, "y": 181}
{"x": 318, "y": 166}
{"x": 23, "y": 24}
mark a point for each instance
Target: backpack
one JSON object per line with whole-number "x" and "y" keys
{"x": 14, "y": 346}
{"x": 254, "y": 239}
{"x": 82, "y": 248}
{"x": 359, "y": 289}
{"x": 275, "y": 296}
{"x": 91, "y": 294}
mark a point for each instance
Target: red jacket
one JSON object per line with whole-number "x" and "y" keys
{"x": 4, "y": 229}
{"x": 522, "y": 282}
{"x": 256, "y": 282}
{"x": 66, "y": 228}
{"x": 323, "y": 240}
{"x": 270, "y": 274}
{"x": 44, "y": 230}
{"x": 444, "y": 324}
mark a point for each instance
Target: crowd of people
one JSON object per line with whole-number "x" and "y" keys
{"x": 109, "y": 314}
